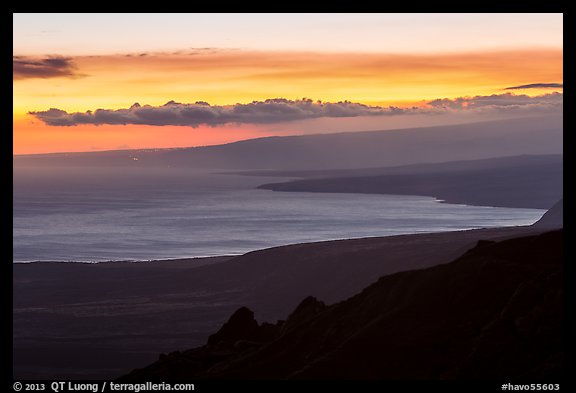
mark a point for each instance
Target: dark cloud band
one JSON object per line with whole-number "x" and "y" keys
{"x": 279, "y": 110}
{"x": 537, "y": 86}
{"x": 49, "y": 67}
{"x": 507, "y": 101}
{"x": 275, "y": 110}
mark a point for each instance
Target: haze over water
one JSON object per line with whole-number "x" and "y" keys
{"x": 133, "y": 214}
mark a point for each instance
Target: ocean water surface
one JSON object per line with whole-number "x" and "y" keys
{"x": 103, "y": 214}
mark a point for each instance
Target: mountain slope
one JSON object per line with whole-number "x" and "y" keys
{"x": 537, "y": 135}
{"x": 494, "y": 313}
{"x": 553, "y": 218}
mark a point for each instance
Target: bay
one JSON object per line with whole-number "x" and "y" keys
{"x": 105, "y": 214}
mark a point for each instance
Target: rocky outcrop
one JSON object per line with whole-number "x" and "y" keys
{"x": 241, "y": 325}
{"x": 305, "y": 311}
{"x": 240, "y": 335}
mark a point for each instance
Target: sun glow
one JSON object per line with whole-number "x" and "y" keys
{"x": 226, "y": 76}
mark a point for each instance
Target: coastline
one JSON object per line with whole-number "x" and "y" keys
{"x": 199, "y": 260}
{"x": 367, "y": 186}
{"x": 237, "y": 253}
{"x": 532, "y": 182}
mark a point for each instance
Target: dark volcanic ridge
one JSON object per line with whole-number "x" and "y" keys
{"x": 494, "y": 313}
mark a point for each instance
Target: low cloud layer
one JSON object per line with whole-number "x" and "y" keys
{"x": 275, "y": 110}
{"x": 49, "y": 67}
{"x": 501, "y": 102}
{"x": 537, "y": 86}
{"x": 279, "y": 110}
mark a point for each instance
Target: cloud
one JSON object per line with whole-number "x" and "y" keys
{"x": 172, "y": 113}
{"x": 537, "y": 86}
{"x": 501, "y": 102}
{"x": 49, "y": 67}
{"x": 280, "y": 110}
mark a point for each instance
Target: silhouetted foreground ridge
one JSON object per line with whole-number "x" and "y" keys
{"x": 494, "y": 313}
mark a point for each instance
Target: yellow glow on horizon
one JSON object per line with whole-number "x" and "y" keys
{"x": 229, "y": 77}
{"x": 226, "y": 77}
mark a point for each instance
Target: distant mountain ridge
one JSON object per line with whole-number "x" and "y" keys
{"x": 522, "y": 181}
{"x": 537, "y": 135}
{"x": 419, "y": 168}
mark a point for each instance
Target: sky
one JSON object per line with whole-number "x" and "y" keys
{"x": 88, "y": 82}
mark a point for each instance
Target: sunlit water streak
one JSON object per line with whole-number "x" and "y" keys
{"x": 134, "y": 214}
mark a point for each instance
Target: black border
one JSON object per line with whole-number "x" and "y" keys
{"x": 396, "y": 386}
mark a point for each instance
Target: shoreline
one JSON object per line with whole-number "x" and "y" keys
{"x": 133, "y": 261}
{"x": 532, "y": 182}
{"x": 228, "y": 256}
{"x": 308, "y": 186}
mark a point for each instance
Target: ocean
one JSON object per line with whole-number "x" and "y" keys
{"x": 139, "y": 214}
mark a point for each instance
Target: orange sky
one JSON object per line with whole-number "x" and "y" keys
{"x": 229, "y": 76}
